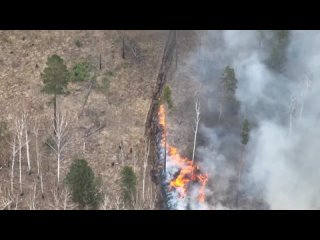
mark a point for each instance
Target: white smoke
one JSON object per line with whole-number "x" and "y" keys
{"x": 283, "y": 163}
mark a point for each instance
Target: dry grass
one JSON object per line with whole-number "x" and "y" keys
{"x": 123, "y": 109}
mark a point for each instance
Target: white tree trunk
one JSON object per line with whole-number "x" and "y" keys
{"x": 36, "y": 132}
{"x": 20, "y": 126}
{"x": 197, "y": 119}
{"x": 58, "y": 167}
{"x": 27, "y": 149}
{"x": 60, "y": 139}
{"x": 13, "y": 160}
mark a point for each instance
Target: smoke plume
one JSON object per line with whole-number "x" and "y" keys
{"x": 277, "y": 91}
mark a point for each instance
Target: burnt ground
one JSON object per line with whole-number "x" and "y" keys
{"x": 119, "y": 114}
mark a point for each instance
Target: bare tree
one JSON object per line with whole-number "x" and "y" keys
{"x": 27, "y": 144}
{"x": 32, "y": 200}
{"x": 36, "y": 135}
{"x": 13, "y": 161}
{"x": 41, "y": 182}
{"x": 38, "y": 156}
{"x": 20, "y": 124}
{"x": 195, "y": 127}
{"x": 66, "y": 200}
{"x": 60, "y": 138}
{"x": 106, "y": 203}
{"x": 5, "y": 199}
{"x": 61, "y": 200}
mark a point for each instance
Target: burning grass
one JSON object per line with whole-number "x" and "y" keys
{"x": 186, "y": 172}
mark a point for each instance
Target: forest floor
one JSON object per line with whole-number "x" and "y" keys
{"x": 119, "y": 112}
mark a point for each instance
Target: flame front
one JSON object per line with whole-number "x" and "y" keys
{"x": 189, "y": 171}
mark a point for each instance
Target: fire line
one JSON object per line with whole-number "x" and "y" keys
{"x": 189, "y": 172}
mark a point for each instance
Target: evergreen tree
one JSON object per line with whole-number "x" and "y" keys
{"x": 55, "y": 78}
{"x": 83, "y": 184}
{"x": 245, "y": 132}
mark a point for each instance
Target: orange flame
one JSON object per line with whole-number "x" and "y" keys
{"x": 189, "y": 172}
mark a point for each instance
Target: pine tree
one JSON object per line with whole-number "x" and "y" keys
{"x": 83, "y": 184}
{"x": 55, "y": 78}
{"x": 245, "y": 132}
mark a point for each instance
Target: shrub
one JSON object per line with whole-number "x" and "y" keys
{"x": 167, "y": 96}
{"x": 78, "y": 43}
{"x": 128, "y": 186}
{"x": 81, "y": 72}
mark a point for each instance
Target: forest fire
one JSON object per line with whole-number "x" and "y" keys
{"x": 189, "y": 173}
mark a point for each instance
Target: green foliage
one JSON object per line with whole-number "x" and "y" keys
{"x": 78, "y": 43}
{"x": 55, "y": 76}
{"x": 128, "y": 186}
{"x": 81, "y": 72}
{"x": 229, "y": 82}
{"x": 167, "y": 96}
{"x": 83, "y": 184}
{"x": 245, "y": 134}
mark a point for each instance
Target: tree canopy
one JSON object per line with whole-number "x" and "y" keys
{"x": 55, "y": 76}
{"x": 229, "y": 82}
{"x": 82, "y": 71}
{"x": 83, "y": 184}
{"x": 245, "y": 134}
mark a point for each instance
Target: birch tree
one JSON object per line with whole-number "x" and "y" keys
{"x": 13, "y": 145}
{"x": 60, "y": 139}
{"x": 195, "y": 127}
{"x": 38, "y": 157}
{"x": 20, "y": 124}
{"x": 27, "y": 144}
{"x": 36, "y": 135}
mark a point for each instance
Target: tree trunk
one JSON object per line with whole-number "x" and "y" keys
{"x": 239, "y": 174}
{"x": 13, "y": 160}
{"x": 27, "y": 149}
{"x": 195, "y": 132}
{"x": 20, "y": 179}
{"x": 37, "y": 154}
{"x": 55, "y": 113}
{"x": 58, "y": 167}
